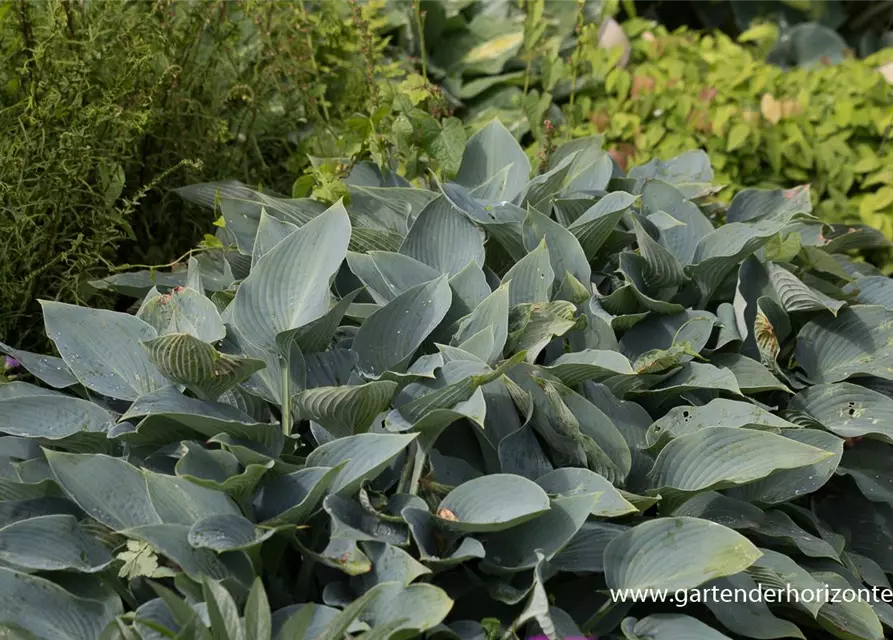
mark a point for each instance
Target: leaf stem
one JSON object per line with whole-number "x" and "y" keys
{"x": 286, "y": 400}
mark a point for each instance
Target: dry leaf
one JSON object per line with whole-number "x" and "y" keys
{"x": 771, "y": 108}
{"x": 446, "y": 514}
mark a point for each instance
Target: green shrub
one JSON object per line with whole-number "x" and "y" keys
{"x": 107, "y": 105}
{"x": 480, "y": 406}
{"x": 760, "y": 125}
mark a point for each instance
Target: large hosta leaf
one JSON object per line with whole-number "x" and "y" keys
{"x": 42, "y": 609}
{"x": 490, "y": 150}
{"x": 444, "y": 238}
{"x": 289, "y": 287}
{"x": 856, "y": 342}
{"x": 721, "y": 457}
{"x": 52, "y": 543}
{"x": 675, "y": 553}
{"x": 388, "y": 338}
{"x": 669, "y": 626}
{"x": 52, "y": 417}
{"x": 102, "y": 349}
{"x": 492, "y": 503}
{"x": 848, "y": 410}
{"x": 364, "y": 455}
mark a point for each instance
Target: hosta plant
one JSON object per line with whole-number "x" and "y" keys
{"x": 463, "y": 412}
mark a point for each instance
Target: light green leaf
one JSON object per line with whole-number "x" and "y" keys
{"x": 675, "y": 553}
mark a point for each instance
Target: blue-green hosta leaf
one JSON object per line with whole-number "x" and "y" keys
{"x": 389, "y": 564}
{"x": 594, "y": 227}
{"x": 102, "y": 349}
{"x": 781, "y": 529}
{"x": 444, "y": 238}
{"x": 409, "y": 609}
{"x": 543, "y": 189}
{"x": 172, "y": 541}
{"x": 51, "y": 417}
{"x": 794, "y": 295}
{"x": 569, "y": 482}
{"x": 388, "y": 338}
{"x": 227, "y": 532}
{"x": 586, "y": 550}
{"x": 724, "y": 248}
{"x": 438, "y": 544}
{"x": 686, "y": 169}
{"x": 565, "y": 252}
{"x": 289, "y": 287}
{"x": 722, "y": 457}
{"x": 489, "y": 151}
{"x": 218, "y": 469}
{"x": 748, "y": 618}
{"x": 270, "y": 232}
{"x": 636, "y": 293}
{"x": 856, "y": 342}
{"x": 776, "y": 570}
{"x": 675, "y": 553}
{"x": 786, "y": 485}
{"x": 873, "y": 290}
{"x": 682, "y": 239}
{"x": 292, "y": 498}
{"x": 492, "y": 313}
{"x": 516, "y": 549}
{"x": 847, "y": 619}
{"x": 110, "y": 490}
{"x": 690, "y": 328}
{"x": 751, "y": 375}
{"x": 669, "y": 626}
{"x": 662, "y": 268}
{"x": 189, "y": 361}
{"x": 388, "y": 207}
{"x": 222, "y": 611}
{"x": 848, "y": 410}
{"x": 345, "y": 410}
{"x": 868, "y": 465}
{"x": 179, "y": 501}
{"x": 366, "y": 455}
{"x": 351, "y": 521}
{"x": 683, "y": 420}
{"x": 492, "y": 503}
{"x": 589, "y": 364}
{"x": 719, "y": 508}
{"x": 52, "y": 543}
{"x": 183, "y": 310}
{"x": 42, "y": 609}
{"x": 531, "y": 277}
{"x": 316, "y": 336}
{"x": 206, "y": 418}
{"x": 692, "y": 376}
{"x": 759, "y": 204}
{"x": 49, "y": 369}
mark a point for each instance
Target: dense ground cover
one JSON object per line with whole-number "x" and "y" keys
{"x": 463, "y": 412}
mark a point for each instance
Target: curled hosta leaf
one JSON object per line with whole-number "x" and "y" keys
{"x": 187, "y": 360}
{"x": 345, "y": 411}
{"x": 183, "y": 310}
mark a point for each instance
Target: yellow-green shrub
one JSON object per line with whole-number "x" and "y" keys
{"x": 761, "y": 125}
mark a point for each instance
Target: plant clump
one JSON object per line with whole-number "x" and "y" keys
{"x": 463, "y": 412}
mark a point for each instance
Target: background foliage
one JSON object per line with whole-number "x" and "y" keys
{"x": 108, "y": 105}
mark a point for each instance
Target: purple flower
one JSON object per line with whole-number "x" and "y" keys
{"x": 10, "y": 363}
